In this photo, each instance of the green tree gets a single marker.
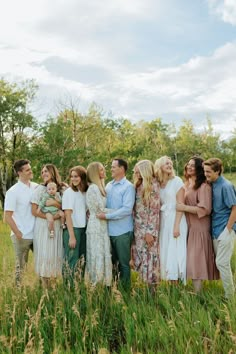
(187, 143)
(16, 125)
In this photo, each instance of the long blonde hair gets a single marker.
(146, 170)
(158, 169)
(93, 176)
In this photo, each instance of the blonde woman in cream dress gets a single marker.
(173, 225)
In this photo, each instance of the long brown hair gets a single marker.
(82, 173)
(55, 176)
(199, 171)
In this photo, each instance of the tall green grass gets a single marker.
(96, 320)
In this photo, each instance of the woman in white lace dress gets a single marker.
(173, 225)
(98, 262)
(48, 251)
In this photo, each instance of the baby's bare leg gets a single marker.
(62, 215)
(50, 220)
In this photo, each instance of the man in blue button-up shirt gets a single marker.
(120, 198)
(223, 220)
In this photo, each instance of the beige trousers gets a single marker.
(21, 248)
(224, 247)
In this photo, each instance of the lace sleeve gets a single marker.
(94, 199)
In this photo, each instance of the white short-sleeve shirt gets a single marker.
(75, 201)
(18, 200)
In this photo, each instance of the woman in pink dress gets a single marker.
(197, 206)
(145, 250)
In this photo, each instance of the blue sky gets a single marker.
(139, 59)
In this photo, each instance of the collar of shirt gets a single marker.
(121, 181)
(24, 184)
(219, 180)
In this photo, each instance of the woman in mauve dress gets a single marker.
(197, 206)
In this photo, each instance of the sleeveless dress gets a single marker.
(48, 252)
(173, 254)
(98, 259)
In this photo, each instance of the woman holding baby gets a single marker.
(48, 250)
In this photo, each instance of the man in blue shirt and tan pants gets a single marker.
(120, 198)
(223, 221)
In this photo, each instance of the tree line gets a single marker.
(71, 137)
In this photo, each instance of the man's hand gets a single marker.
(101, 216)
(18, 235)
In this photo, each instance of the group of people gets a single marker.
(160, 226)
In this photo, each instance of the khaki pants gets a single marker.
(224, 247)
(21, 248)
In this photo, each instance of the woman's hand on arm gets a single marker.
(149, 240)
(187, 208)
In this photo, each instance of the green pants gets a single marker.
(121, 253)
(74, 258)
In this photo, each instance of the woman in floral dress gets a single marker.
(145, 252)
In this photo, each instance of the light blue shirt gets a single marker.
(121, 197)
(224, 198)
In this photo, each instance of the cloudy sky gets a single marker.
(140, 59)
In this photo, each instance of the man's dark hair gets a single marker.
(19, 164)
(122, 163)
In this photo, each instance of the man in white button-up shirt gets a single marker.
(18, 214)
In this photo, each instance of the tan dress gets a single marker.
(200, 254)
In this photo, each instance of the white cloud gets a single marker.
(226, 9)
(80, 33)
(202, 86)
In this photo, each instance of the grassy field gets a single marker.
(231, 177)
(94, 320)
